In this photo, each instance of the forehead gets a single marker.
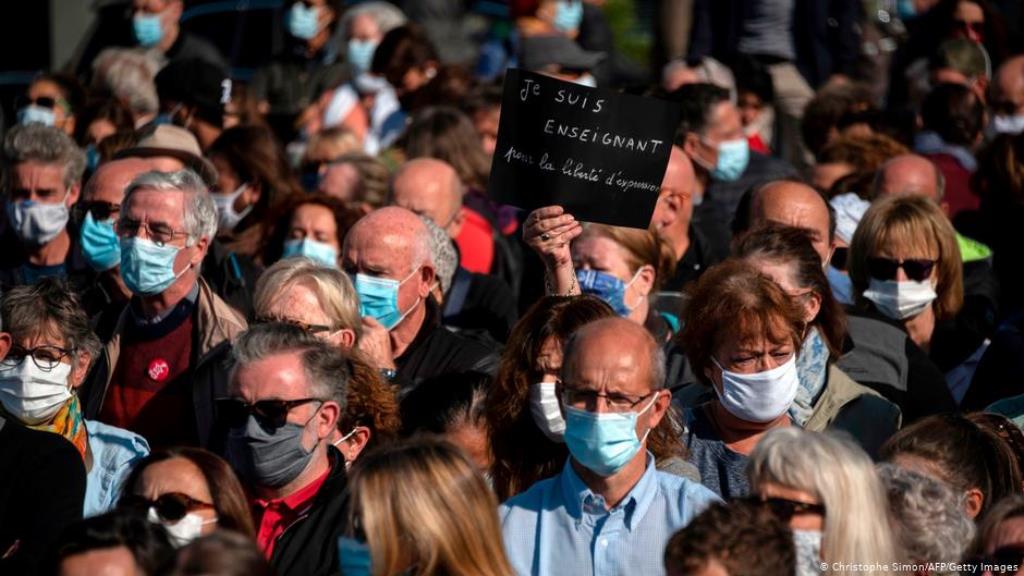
(798, 210)
(46, 334)
(113, 179)
(163, 205)
(38, 175)
(751, 332)
(608, 359)
(173, 475)
(280, 376)
(599, 247)
(377, 246)
(44, 88)
(315, 216)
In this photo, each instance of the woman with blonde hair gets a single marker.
(829, 491)
(419, 507)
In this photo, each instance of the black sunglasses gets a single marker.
(272, 413)
(41, 101)
(308, 328)
(101, 211)
(977, 26)
(839, 258)
(784, 509)
(170, 507)
(917, 269)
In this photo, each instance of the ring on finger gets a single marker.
(545, 236)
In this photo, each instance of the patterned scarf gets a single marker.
(812, 369)
(69, 423)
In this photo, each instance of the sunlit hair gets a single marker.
(642, 248)
(371, 402)
(841, 477)
(424, 510)
(332, 287)
(735, 299)
(1008, 508)
(917, 226)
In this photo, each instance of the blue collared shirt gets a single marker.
(559, 526)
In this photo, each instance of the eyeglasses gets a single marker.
(917, 269)
(170, 507)
(45, 357)
(272, 413)
(101, 211)
(582, 399)
(784, 509)
(308, 328)
(839, 258)
(977, 26)
(159, 233)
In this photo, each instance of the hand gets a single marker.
(375, 344)
(549, 231)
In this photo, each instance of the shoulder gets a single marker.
(106, 438)
(532, 499)
(41, 454)
(691, 497)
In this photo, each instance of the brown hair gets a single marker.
(424, 509)
(1006, 509)
(331, 143)
(745, 537)
(370, 402)
(374, 179)
(863, 153)
(228, 497)
(400, 50)
(735, 297)
(792, 247)
(643, 247)
(966, 454)
(273, 245)
(999, 178)
(911, 222)
(224, 553)
(445, 133)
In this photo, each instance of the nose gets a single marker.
(901, 275)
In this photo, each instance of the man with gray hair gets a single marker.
(610, 510)
(287, 392)
(42, 180)
(388, 254)
(164, 365)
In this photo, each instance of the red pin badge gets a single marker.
(158, 370)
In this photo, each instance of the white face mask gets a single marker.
(545, 411)
(183, 531)
(348, 463)
(227, 217)
(760, 397)
(842, 286)
(900, 300)
(32, 395)
(1007, 124)
(808, 552)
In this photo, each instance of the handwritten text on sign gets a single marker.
(599, 154)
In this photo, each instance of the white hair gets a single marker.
(386, 15)
(46, 145)
(842, 477)
(129, 75)
(200, 218)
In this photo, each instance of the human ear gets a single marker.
(80, 368)
(974, 501)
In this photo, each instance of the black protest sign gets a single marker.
(599, 154)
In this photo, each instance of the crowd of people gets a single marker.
(272, 323)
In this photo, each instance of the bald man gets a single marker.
(910, 174)
(672, 219)
(431, 188)
(798, 205)
(1007, 99)
(388, 255)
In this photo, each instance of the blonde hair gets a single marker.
(642, 248)
(332, 288)
(843, 479)
(423, 506)
(332, 143)
(917, 223)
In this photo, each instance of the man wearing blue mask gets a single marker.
(43, 168)
(164, 365)
(156, 25)
(388, 255)
(711, 134)
(609, 511)
(287, 392)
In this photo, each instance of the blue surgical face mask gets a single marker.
(92, 158)
(906, 9)
(733, 157)
(302, 21)
(33, 114)
(354, 557)
(148, 28)
(378, 298)
(147, 268)
(607, 288)
(842, 286)
(323, 254)
(568, 15)
(603, 442)
(36, 223)
(360, 54)
(99, 244)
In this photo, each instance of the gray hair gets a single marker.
(328, 371)
(446, 259)
(332, 287)
(386, 15)
(47, 308)
(932, 523)
(46, 145)
(422, 246)
(128, 74)
(200, 211)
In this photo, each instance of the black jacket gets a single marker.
(309, 546)
(697, 258)
(437, 350)
(1001, 371)
(480, 302)
(232, 276)
(42, 490)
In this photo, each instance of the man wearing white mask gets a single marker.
(40, 376)
(43, 169)
(165, 363)
(1007, 100)
(609, 511)
(388, 255)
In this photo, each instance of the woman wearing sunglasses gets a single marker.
(826, 488)
(190, 491)
(905, 266)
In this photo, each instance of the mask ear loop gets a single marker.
(626, 287)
